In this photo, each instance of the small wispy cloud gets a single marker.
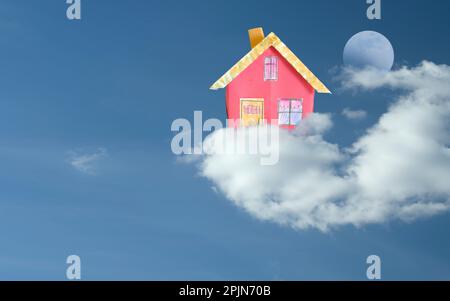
(86, 161)
(354, 114)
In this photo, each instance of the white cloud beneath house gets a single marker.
(400, 169)
(86, 161)
(354, 114)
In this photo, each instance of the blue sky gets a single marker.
(117, 79)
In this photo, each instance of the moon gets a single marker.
(369, 49)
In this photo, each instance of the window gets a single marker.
(290, 111)
(271, 68)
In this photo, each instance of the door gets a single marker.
(252, 111)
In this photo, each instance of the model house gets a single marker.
(269, 83)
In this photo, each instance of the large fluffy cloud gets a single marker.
(400, 169)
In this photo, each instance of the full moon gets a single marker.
(369, 49)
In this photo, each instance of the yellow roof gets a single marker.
(249, 58)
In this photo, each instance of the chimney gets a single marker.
(256, 35)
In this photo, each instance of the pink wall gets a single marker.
(250, 84)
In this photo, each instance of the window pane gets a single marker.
(295, 118)
(283, 118)
(296, 106)
(274, 73)
(283, 106)
(266, 72)
(267, 68)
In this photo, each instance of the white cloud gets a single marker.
(86, 161)
(399, 170)
(354, 114)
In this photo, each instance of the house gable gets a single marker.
(270, 41)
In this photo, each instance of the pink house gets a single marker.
(269, 83)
